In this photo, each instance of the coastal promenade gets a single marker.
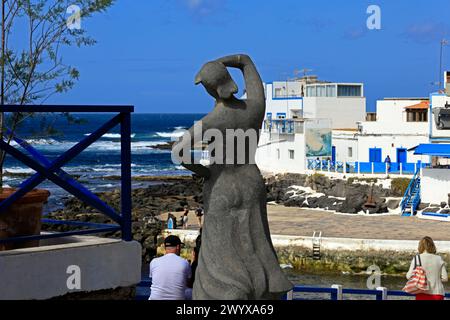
(303, 222)
(293, 221)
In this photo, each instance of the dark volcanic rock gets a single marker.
(294, 202)
(148, 204)
(431, 209)
(423, 206)
(164, 146)
(355, 198)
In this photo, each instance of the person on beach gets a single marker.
(170, 273)
(185, 217)
(435, 270)
(199, 215)
(171, 221)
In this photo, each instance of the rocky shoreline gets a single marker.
(149, 203)
(347, 196)
(171, 194)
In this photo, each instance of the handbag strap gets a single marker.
(417, 257)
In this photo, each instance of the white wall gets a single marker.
(389, 145)
(435, 185)
(361, 144)
(390, 132)
(267, 155)
(282, 105)
(280, 241)
(391, 119)
(41, 272)
(342, 141)
(345, 112)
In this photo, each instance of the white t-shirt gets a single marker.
(170, 274)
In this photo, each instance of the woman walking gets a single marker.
(434, 267)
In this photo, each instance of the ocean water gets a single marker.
(102, 159)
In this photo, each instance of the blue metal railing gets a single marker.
(364, 167)
(52, 170)
(335, 292)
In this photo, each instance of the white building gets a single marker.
(400, 124)
(324, 126)
(299, 118)
(343, 102)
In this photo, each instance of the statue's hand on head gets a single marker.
(218, 82)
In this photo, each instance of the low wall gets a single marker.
(435, 185)
(339, 254)
(74, 265)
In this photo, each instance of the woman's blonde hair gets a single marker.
(427, 244)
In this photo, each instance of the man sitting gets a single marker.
(170, 273)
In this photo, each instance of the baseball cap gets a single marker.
(172, 241)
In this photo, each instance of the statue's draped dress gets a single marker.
(237, 259)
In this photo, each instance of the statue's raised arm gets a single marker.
(253, 82)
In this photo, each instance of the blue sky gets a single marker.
(149, 51)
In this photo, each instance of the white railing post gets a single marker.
(383, 292)
(401, 168)
(359, 167)
(338, 288)
(386, 168)
(373, 166)
(415, 167)
(345, 167)
(290, 295)
(329, 165)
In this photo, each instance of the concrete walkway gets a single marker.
(303, 222)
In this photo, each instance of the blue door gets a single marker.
(333, 154)
(375, 155)
(401, 155)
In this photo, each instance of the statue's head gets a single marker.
(216, 79)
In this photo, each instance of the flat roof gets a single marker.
(407, 98)
(337, 83)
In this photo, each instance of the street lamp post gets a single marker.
(443, 43)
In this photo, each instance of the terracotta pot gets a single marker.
(22, 218)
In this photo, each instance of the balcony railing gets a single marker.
(52, 171)
(284, 126)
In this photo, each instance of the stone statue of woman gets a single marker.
(237, 260)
